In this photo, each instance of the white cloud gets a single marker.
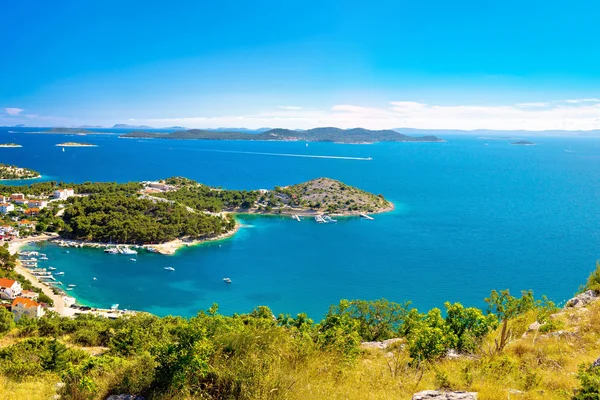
(577, 101)
(13, 111)
(552, 116)
(533, 104)
(289, 107)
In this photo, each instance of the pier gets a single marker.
(365, 216)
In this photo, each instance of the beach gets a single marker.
(62, 302)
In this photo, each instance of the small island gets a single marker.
(75, 144)
(11, 172)
(10, 145)
(523, 143)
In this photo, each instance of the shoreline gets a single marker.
(61, 305)
(20, 179)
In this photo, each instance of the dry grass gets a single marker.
(39, 388)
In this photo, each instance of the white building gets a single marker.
(63, 194)
(9, 289)
(4, 199)
(24, 306)
(6, 208)
(37, 204)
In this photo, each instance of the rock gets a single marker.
(380, 345)
(515, 391)
(437, 395)
(581, 299)
(124, 397)
(596, 363)
(558, 334)
(535, 326)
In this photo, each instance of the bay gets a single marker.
(469, 218)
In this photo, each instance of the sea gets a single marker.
(472, 215)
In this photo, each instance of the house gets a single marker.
(37, 204)
(25, 223)
(8, 232)
(5, 208)
(9, 289)
(17, 196)
(24, 306)
(29, 294)
(63, 194)
(4, 199)
(32, 211)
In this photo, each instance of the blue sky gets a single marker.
(378, 64)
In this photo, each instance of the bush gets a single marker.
(589, 382)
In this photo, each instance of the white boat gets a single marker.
(170, 268)
(111, 250)
(59, 273)
(128, 251)
(152, 249)
(63, 149)
(328, 219)
(71, 285)
(95, 278)
(43, 258)
(69, 288)
(132, 259)
(52, 268)
(226, 280)
(319, 219)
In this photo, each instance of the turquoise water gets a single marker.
(469, 218)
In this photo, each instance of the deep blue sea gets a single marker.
(469, 218)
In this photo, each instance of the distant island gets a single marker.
(11, 172)
(337, 135)
(75, 144)
(10, 145)
(125, 126)
(523, 143)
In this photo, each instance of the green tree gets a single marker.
(589, 382)
(6, 321)
(507, 307)
(469, 325)
(54, 360)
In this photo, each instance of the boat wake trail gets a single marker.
(291, 155)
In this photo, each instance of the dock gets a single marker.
(297, 218)
(365, 216)
(319, 219)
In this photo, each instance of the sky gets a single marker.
(471, 64)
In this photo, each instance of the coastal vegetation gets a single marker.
(356, 135)
(119, 218)
(333, 196)
(137, 213)
(360, 349)
(14, 172)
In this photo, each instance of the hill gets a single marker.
(356, 135)
(335, 197)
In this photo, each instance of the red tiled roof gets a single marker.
(5, 282)
(25, 302)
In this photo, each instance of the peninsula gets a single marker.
(11, 172)
(337, 135)
(10, 145)
(175, 212)
(75, 144)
